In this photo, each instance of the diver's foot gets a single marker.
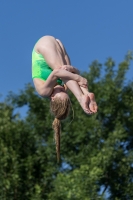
(85, 102)
(92, 103)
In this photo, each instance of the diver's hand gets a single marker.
(70, 69)
(82, 82)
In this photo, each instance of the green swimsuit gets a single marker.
(40, 68)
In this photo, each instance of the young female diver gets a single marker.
(50, 68)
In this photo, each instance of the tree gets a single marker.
(96, 151)
(26, 159)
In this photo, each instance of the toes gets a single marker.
(88, 112)
(93, 108)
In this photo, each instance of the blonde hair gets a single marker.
(60, 108)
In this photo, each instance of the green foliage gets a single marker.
(96, 151)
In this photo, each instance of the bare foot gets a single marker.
(84, 102)
(92, 103)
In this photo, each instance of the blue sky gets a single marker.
(89, 29)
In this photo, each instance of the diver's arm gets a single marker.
(69, 68)
(62, 74)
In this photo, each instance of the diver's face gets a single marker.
(59, 92)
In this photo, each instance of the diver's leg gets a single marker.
(92, 103)
(49, 48)
(85, 99)
(82, 99)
